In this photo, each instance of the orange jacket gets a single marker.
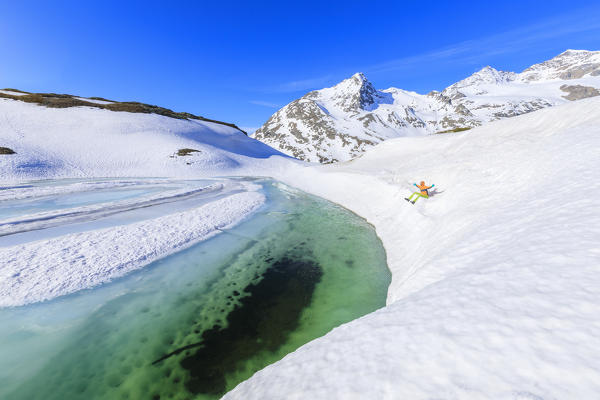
(423, 188)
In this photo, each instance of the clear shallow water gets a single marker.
(195, 324)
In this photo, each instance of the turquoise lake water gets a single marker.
(195, 324)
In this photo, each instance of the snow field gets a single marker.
(495, 279)
(90, 142)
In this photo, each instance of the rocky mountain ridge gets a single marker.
(341, 122)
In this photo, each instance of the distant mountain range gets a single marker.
(341, 122)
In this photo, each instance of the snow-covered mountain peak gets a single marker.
(355, 83)
(570, 64)
(485, 76)
(487, 73)
(352, 94)
(358, 78)
(574, 52)
(574, 56)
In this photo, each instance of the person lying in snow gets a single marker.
(424, 193)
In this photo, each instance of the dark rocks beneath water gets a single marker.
(261, 322)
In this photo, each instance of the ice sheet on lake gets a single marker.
(46, 269)
(47, 219)
(30, 191)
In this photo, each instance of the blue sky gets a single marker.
(240, 61)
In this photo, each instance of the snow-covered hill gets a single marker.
(495, 278)
(340, 123)
(86, 141)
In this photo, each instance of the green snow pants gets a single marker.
(417, 195)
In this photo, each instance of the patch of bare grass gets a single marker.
(54, 100)
(454, 130)
(6, 150)
(187, 152)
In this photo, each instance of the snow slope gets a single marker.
(496, 278)
(341, 122)
(92, 142)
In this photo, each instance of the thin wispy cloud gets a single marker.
(264, 103)
(301, 85)
(476, 51)
(480, 51)
(583, 21)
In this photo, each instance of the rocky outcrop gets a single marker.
(576, 92)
